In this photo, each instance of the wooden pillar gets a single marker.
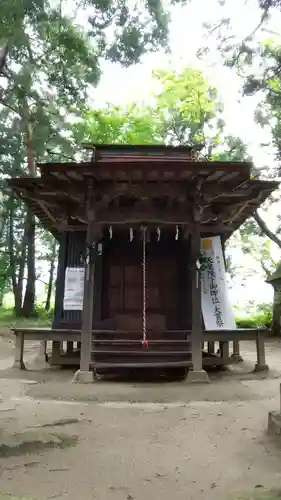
(224, 352)
(56, 350)
(197, 374)
(236, 357)
(261, 362)
(19, 347)
(85, 374)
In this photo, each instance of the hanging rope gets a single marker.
(144, 337)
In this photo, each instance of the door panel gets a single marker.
(123, 294)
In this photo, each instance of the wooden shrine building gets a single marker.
(129, 222)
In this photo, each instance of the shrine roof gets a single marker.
(155, 184)
(123, 151)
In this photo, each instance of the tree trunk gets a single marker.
(2, 296)
(51, 278)
(28, 308)
(17, 290)
(3, 56)
(276, 313)
(22, 262)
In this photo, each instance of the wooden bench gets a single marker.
(43, 335)
(57, 336)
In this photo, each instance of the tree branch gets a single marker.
(6, 105)
(265, 268)
(265, 229)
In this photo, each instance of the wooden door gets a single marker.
(123, 284)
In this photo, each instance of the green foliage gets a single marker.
(116, 125)
(112, 29)
(50, 55)
(188, 107)
(184, 110)
(232, 149)
(4, 271)
(268, 112)
(259, 319)
(52, 60)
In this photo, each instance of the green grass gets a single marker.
(9, 320)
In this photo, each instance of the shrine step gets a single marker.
(137, 335)
(136, 356)
(163, 364)
(141, 352)
(115, 341)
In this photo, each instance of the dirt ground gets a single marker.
(135, 441)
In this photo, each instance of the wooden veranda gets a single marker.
(135, 216)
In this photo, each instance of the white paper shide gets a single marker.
(216, 306)
(73, 289)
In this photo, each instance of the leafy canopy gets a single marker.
(185, 109)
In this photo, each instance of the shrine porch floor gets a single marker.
(215, 434)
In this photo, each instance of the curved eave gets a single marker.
(50, 197)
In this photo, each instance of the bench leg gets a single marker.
(211, 347)
(19, 347)
(69, 347)
(41, 358)
(224, 352)
(56, 348)
(261, 362)
(235, 357)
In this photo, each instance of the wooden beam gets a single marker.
(111, 189)
(205, 229)
(55, 198)
(217, 228)
(47, 211)
(238, 211)
(243, 169)
(143, 190)
(149, 215)
(120, 216)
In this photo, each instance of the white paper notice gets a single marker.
(216, 306)
(73, 289)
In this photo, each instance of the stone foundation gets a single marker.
(83, 377)
(197, 377)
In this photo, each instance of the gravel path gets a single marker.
(138, 441)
